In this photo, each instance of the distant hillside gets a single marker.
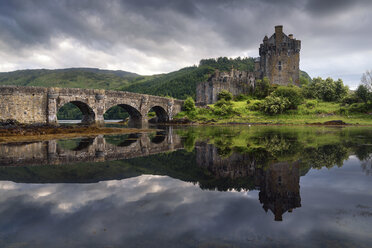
(305, 75)
(182, 83)
(178, 84)
(68, 78)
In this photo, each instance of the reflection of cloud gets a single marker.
(7, 185)
(159, 211)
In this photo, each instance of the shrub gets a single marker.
(343, 111)
(241, 97)
(225, 95)
(189, 104)
(311, 104)
(275, 105)
(202, 111)
(292, 93)
(255, 106)
(359, 107)
(349, 99)
(222, 102)
(248, 101)
(223, 108)
(262, 88)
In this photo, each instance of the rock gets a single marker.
(183, 120)
(334, 122)
(9, 122)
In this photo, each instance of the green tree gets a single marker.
(291, 93)
(326, 90)
(273, 105)
(189, 104)
(362, 93)
(225, 95)
(262, 88)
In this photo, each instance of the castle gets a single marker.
(279, 61)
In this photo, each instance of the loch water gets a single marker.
(225, 186)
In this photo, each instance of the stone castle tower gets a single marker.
(279, 61)
(279, 58)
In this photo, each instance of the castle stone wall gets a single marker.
(279, 58)
(236, 82)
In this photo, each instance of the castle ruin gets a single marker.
(279, 61)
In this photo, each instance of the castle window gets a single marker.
(280, 65)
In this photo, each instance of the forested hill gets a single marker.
(178, 84)
(182, 83)
(68, 78)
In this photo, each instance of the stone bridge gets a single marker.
(97, 149)
(40, 105)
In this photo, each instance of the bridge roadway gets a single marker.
(40, 105)
(98, 149)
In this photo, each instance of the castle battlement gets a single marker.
(279, 58)
(279, 61)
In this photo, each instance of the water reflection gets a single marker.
(191, 187)
(95, 149)
(270, 160)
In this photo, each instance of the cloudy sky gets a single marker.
(156, 36)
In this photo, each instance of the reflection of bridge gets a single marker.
(40, 105)
(97, 149)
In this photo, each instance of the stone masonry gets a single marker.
(236, 82)
(279, 58)
(279, 61)
(40, 105)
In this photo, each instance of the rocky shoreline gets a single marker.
(186, 121)
(13, 131)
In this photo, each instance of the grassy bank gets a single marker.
(308, 112)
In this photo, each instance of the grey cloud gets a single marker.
(320, 7)
(182, 31)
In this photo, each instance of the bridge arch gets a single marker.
(161, 113)
(123, 140)
(135, 117)
(88, 115)
(159, 138)
(76, 145)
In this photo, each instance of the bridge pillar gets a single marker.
(52, 108)
(52, 155)
(142, 122)
(100, 110)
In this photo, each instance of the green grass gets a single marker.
(321, 112)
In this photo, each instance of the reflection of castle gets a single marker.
(278, 182)
(280, 188)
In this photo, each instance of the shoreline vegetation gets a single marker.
(11, 131)
(322, 114)
(316, 102)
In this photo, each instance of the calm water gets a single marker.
(191, 187)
